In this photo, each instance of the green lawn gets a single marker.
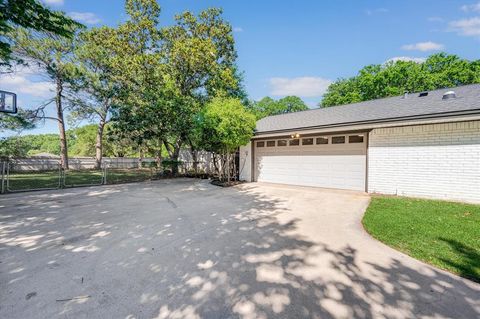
(444, 234)
(50, 179)
(28, 180)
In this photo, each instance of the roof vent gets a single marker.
(422, 94)
(449, 95)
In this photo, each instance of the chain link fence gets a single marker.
(21, 175)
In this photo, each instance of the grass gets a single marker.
(50, 179)
(444, 234)
(28, 180)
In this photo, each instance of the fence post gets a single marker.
(104, 174)
(3, 177)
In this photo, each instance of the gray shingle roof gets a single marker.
(467, 100)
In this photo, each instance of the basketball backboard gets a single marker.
(8, 102)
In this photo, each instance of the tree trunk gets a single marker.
(215, 164)
(99, 145)
(228, 167)
(61, 125)
(158, 157)
(174, 157)
(140, 158)
(168, 148)
(194, 158)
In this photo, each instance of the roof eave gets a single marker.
(375, 123)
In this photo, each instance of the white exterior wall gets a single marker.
(434, 161)
(245, 168)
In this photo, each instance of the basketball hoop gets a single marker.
(8, 102)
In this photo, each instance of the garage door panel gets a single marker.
(336, 166)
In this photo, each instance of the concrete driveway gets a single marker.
(186, 249)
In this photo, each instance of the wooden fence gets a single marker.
(204, 162)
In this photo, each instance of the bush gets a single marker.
(149, 165)
(169, 164)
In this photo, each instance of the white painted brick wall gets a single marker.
(245, 162)
(433, 161)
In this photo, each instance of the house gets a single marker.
(423, 145)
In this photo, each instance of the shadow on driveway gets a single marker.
(187, 249)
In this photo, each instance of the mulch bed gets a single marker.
(226, 184)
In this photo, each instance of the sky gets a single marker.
(297, 47)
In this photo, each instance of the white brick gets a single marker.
(435, 161)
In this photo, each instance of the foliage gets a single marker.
(200, 59)
(12, 147)
(95, 90)
(20, 146)
(226, 125)
(394, 78)
(51, 55)
(441, 233)
(94, 85)
(152, 83)
(15, 122)
(82, 141)
(268, 106)
(143, 111)
(169, 164)
(30, 14)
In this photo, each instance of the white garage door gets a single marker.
(337, 161)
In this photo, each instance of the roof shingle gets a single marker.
(468, 99)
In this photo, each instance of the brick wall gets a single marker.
(433, 161)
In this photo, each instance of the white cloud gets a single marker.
(471, 7)
(237, 29)
(405, 58)
(301, 86)
(423, 46)
(469, 27)
(21, 82)
(54, 2)
(85, 17)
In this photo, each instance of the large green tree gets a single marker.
(52, 56)
(268, 106)
(200, 63)
(394, 78)
(95, 89)
(143, 113)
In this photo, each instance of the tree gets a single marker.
(52, 55)
(226, 125)
(268, 106)
(32, 15)
(144, 110)
(95, 90)
(13, 147)
(82, 140)
(200, 57)
(394, 78)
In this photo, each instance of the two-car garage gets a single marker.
(422, 145)
(331, 161)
